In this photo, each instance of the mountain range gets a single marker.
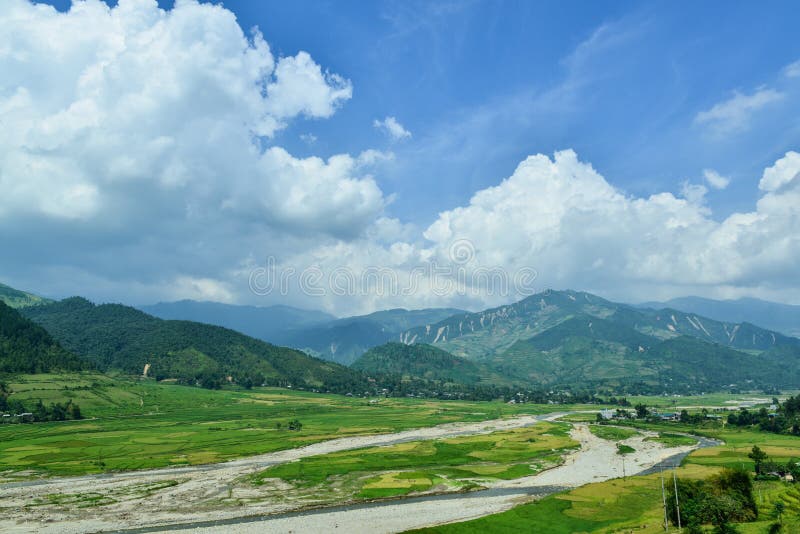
(569, 337)
(783, 318)
(113, 337)
(316, 333)
(555, 339)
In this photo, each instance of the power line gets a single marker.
(664, 498)
(677, 504)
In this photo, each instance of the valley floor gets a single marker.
(191, 497)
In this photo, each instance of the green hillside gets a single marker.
(116, 337)
(680, 364)
(20, 299)
(575, 339)
(424, 362)
(26, 347)
(494, 331)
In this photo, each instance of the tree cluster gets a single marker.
(719, 500)
(785, 419)
(39, 412)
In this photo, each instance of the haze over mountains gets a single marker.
(552, 339)
(318, 333)
(784, 318)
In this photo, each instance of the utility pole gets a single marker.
(664, 498)
(677, 504)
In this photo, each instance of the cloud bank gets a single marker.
(139, 161)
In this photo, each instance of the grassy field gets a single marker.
(141, 424)
(613, 433)
(671, 439)
(423, 465)
(611, 506)
(634, 504)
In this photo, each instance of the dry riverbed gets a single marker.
(193, 495)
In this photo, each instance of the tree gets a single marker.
(758, 456)
(779, 509)
(641, 411)
(295, 424)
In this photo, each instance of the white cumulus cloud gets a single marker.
(784, 173)
(715, 179)
(108, 108)
(392, 127)
(564, 221)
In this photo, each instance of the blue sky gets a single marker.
(468, 80)
(650, 95)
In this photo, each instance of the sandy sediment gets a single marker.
(198, 494)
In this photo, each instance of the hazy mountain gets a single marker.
(20, 299)
(315, 332)
(267, 323)
(117, 337)
(26, 347)
(784, 318)
(344, 340)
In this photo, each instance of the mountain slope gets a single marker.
(495, 330)
(315, 332)
(265, 323)
(570, 338)
(424, 362)
(344, 340)
(783, 318)
(20, 299)
(680, 364)
(26, 347)
(123, 338)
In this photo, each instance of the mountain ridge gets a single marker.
(118, 337)
(784, 318)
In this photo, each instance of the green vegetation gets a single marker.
(635, 504)
(142, 424)
(116, 337)
(26, 347)
(713, 481)
(16, 411)
(582, 342)
(20, 299)
(721, 499)
(420, 466)
(613, 433)
(614, 506)
(786, 420)
(425, 362)
(671, 439)
(624, 449)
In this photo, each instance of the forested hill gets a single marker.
(117, 337)
(26, 347)
(425, 362)
(20, 299)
